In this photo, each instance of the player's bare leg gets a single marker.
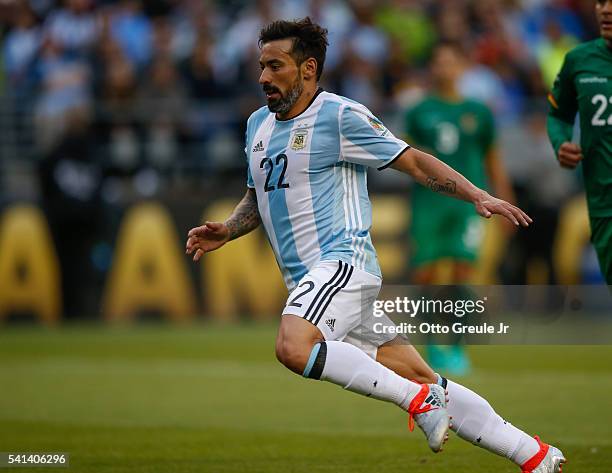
(473, 418)
(406, 361)
(301, 348)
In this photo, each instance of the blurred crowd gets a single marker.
(161, 80)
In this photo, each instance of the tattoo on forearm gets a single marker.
(245, 217)
(449, 187)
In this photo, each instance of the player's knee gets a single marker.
(293, 355)
(294, 342)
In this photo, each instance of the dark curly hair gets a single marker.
(309, 39)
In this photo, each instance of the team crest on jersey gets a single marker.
(299, 139)
(469, 123)
(378, 126)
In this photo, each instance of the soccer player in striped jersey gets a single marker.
(308, 152)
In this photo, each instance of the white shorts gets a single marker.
(339, 299)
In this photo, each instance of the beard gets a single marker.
(283, 104)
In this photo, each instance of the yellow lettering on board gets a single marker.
(241, 277)
(29, 270)
(573, 234)
(390, 216)
(149, 268)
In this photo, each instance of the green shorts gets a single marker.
(442, 235)
(601, 237)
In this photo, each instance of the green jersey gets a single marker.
(458, 133)
(584, 85)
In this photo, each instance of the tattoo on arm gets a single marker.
(449, 187)
(245, 217)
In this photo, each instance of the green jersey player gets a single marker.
(446, 233)
(584, 85)
(460, 132)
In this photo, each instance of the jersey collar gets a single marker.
(604, 46)
(314, 97)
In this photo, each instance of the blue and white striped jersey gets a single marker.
(309, 174)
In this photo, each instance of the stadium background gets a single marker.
(106, 105)
(122, 125)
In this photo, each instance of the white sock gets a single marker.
(475, 420)
(347, 366)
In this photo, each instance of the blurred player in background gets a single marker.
(308, 153)
(584, 85)
(446, 234)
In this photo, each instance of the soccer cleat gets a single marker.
(548, 460)
(428, 409)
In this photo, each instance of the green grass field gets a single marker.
(214, 399)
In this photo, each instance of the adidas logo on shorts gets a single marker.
(330, 323)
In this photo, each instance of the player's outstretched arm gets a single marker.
(212, 235)
(439, 177)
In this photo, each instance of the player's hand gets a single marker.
(487, 205)
(569, 155)
(208, 237)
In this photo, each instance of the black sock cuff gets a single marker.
(316, 362)
(443, 382)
